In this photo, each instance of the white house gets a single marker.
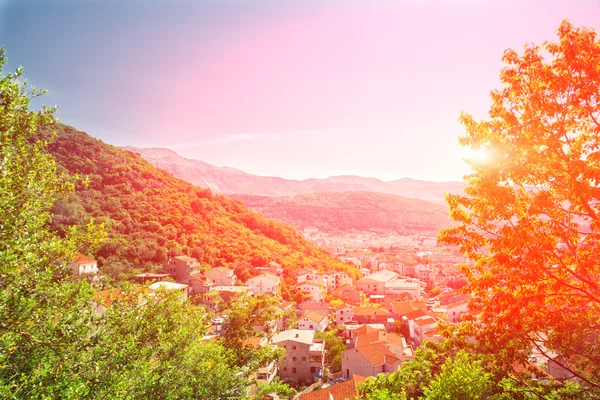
(184, 289)
(336, 280)
(404, 285)
(308, 275)
(84, 265)
(221, 276)
(343, 314)
(455, 310)
(264, 283)
(312, 288)
(312, 321)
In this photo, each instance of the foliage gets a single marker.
(530, 216)
(151, 216)
(460, 378)
(334, 345)
(54, 341)
(283, 390)
(352, 211)
(243, 315)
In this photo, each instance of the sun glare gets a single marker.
(476, 155)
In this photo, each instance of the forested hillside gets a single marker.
(348, 211)
(152, 215)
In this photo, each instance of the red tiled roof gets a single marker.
(425, 321)
(377, 354)
(106, 297)
(314, 316)
(340, 391)
(81, 259)
(369, 311)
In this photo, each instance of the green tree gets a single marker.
(462, 377)
(334, 345)
(530, 217)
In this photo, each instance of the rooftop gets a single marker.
(167, 286)
(295, 335)
(82, 259)
(383, 275)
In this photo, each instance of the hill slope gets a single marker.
(348, 211)
(231, 180)
(153, 215)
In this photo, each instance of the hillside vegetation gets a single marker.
(347, 211)
(152, 215)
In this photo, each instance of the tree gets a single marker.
(530, 217)
(334, 345)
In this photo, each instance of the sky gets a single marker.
(286, 88)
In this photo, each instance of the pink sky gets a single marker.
(311, 89)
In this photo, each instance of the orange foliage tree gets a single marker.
(530, 217)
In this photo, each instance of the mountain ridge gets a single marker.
(229, 180)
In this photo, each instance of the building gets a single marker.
(180, 287)
(348, 294)
(199, 284)
(312, 321)
(308, 306)
(308, 275)
(404, 285)
(304, 355)
(344, 313)
(369, 360)
(455, 310)
(221, 276)
(181, 267)
(339, 391)
(83, 265)
(336, 280)
(375, 282)
(371, 315)
(312, 288)
(264, 283)
(272, 267)
(149, 278)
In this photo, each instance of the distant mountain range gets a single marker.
(352, 211)
(233, 181)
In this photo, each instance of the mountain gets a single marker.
(348, 211)
(231, 180)
(151, 215)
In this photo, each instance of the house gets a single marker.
(312, 288)
(371, 315)
(272, 267)
(393, 342)
(199, 284)
(344, 313)
(181, 267)
(312, 321)
(308, 275)
(336, 280)
(339, 391)
(221, 276)
(304, 355)
(264, 283)
(267, 372)
(375, 282)
(149, 278)
(83, 265)
(348, 294)
(369, 360)
(161, 285)
(419, 327)
(455, 310)
(223, 295)
(308, 306)
(285, 311)
(104, 299)
(408, 286)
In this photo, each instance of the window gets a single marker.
(293, 370)
(293, 347)
(313, 370)
(303, 358)
(342, 318)
(342, 312)
(285, 368)
(311, 327)
(294, 359)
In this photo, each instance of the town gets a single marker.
(380, 318)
